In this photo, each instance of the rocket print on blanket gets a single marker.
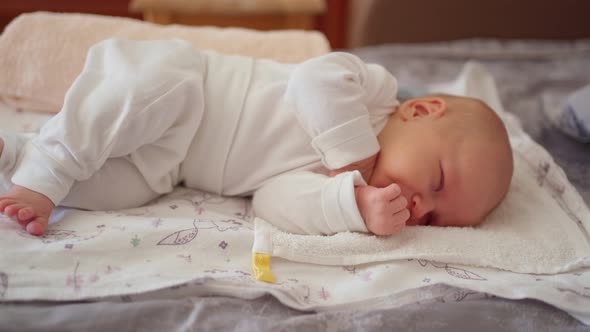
(185, 236)
(452, 271)
(58, 235)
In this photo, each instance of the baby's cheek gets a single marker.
(378, 180)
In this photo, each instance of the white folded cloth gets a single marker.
(42, 53)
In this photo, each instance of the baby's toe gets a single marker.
(4, 203)
(37, 226)
(12, 210)
(25, 214)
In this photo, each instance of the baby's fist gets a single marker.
(384, 210)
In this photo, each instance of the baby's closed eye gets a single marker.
(441, 179)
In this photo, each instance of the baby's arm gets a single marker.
(338, 99)
(311, 203)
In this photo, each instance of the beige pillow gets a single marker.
(42, 53)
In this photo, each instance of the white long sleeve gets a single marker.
(339, 99)
(342, 103)
(311, 203)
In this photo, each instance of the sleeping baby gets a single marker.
(323, 146)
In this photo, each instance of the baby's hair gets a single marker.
(472, 119)
(472, 116)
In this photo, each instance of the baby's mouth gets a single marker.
(412, 221)
(416, 222)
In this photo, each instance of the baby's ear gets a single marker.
(421, 108)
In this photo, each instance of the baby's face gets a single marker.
(446, 183)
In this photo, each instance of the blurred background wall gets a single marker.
(384, 21)
(350, 23)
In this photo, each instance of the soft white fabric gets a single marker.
(220, 123)
(332, 88)
(194, 243)
(334, 196)
(90, 194)
(541, 227)
(139, 100)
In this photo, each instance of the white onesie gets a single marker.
(231, 125)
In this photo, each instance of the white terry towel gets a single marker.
(42, 53)
(541, 227)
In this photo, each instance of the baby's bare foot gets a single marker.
(31, 209)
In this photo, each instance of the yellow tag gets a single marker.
(261, 268)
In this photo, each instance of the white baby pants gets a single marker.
(125, 127)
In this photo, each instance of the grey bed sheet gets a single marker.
(533, 79)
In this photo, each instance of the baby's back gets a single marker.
(248, 133)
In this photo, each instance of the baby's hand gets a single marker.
(384, 210)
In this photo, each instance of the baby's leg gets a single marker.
(30, 208)
(116, 185)
(136, 100)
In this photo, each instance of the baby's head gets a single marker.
(450, 156)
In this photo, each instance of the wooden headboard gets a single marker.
(386, 21)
